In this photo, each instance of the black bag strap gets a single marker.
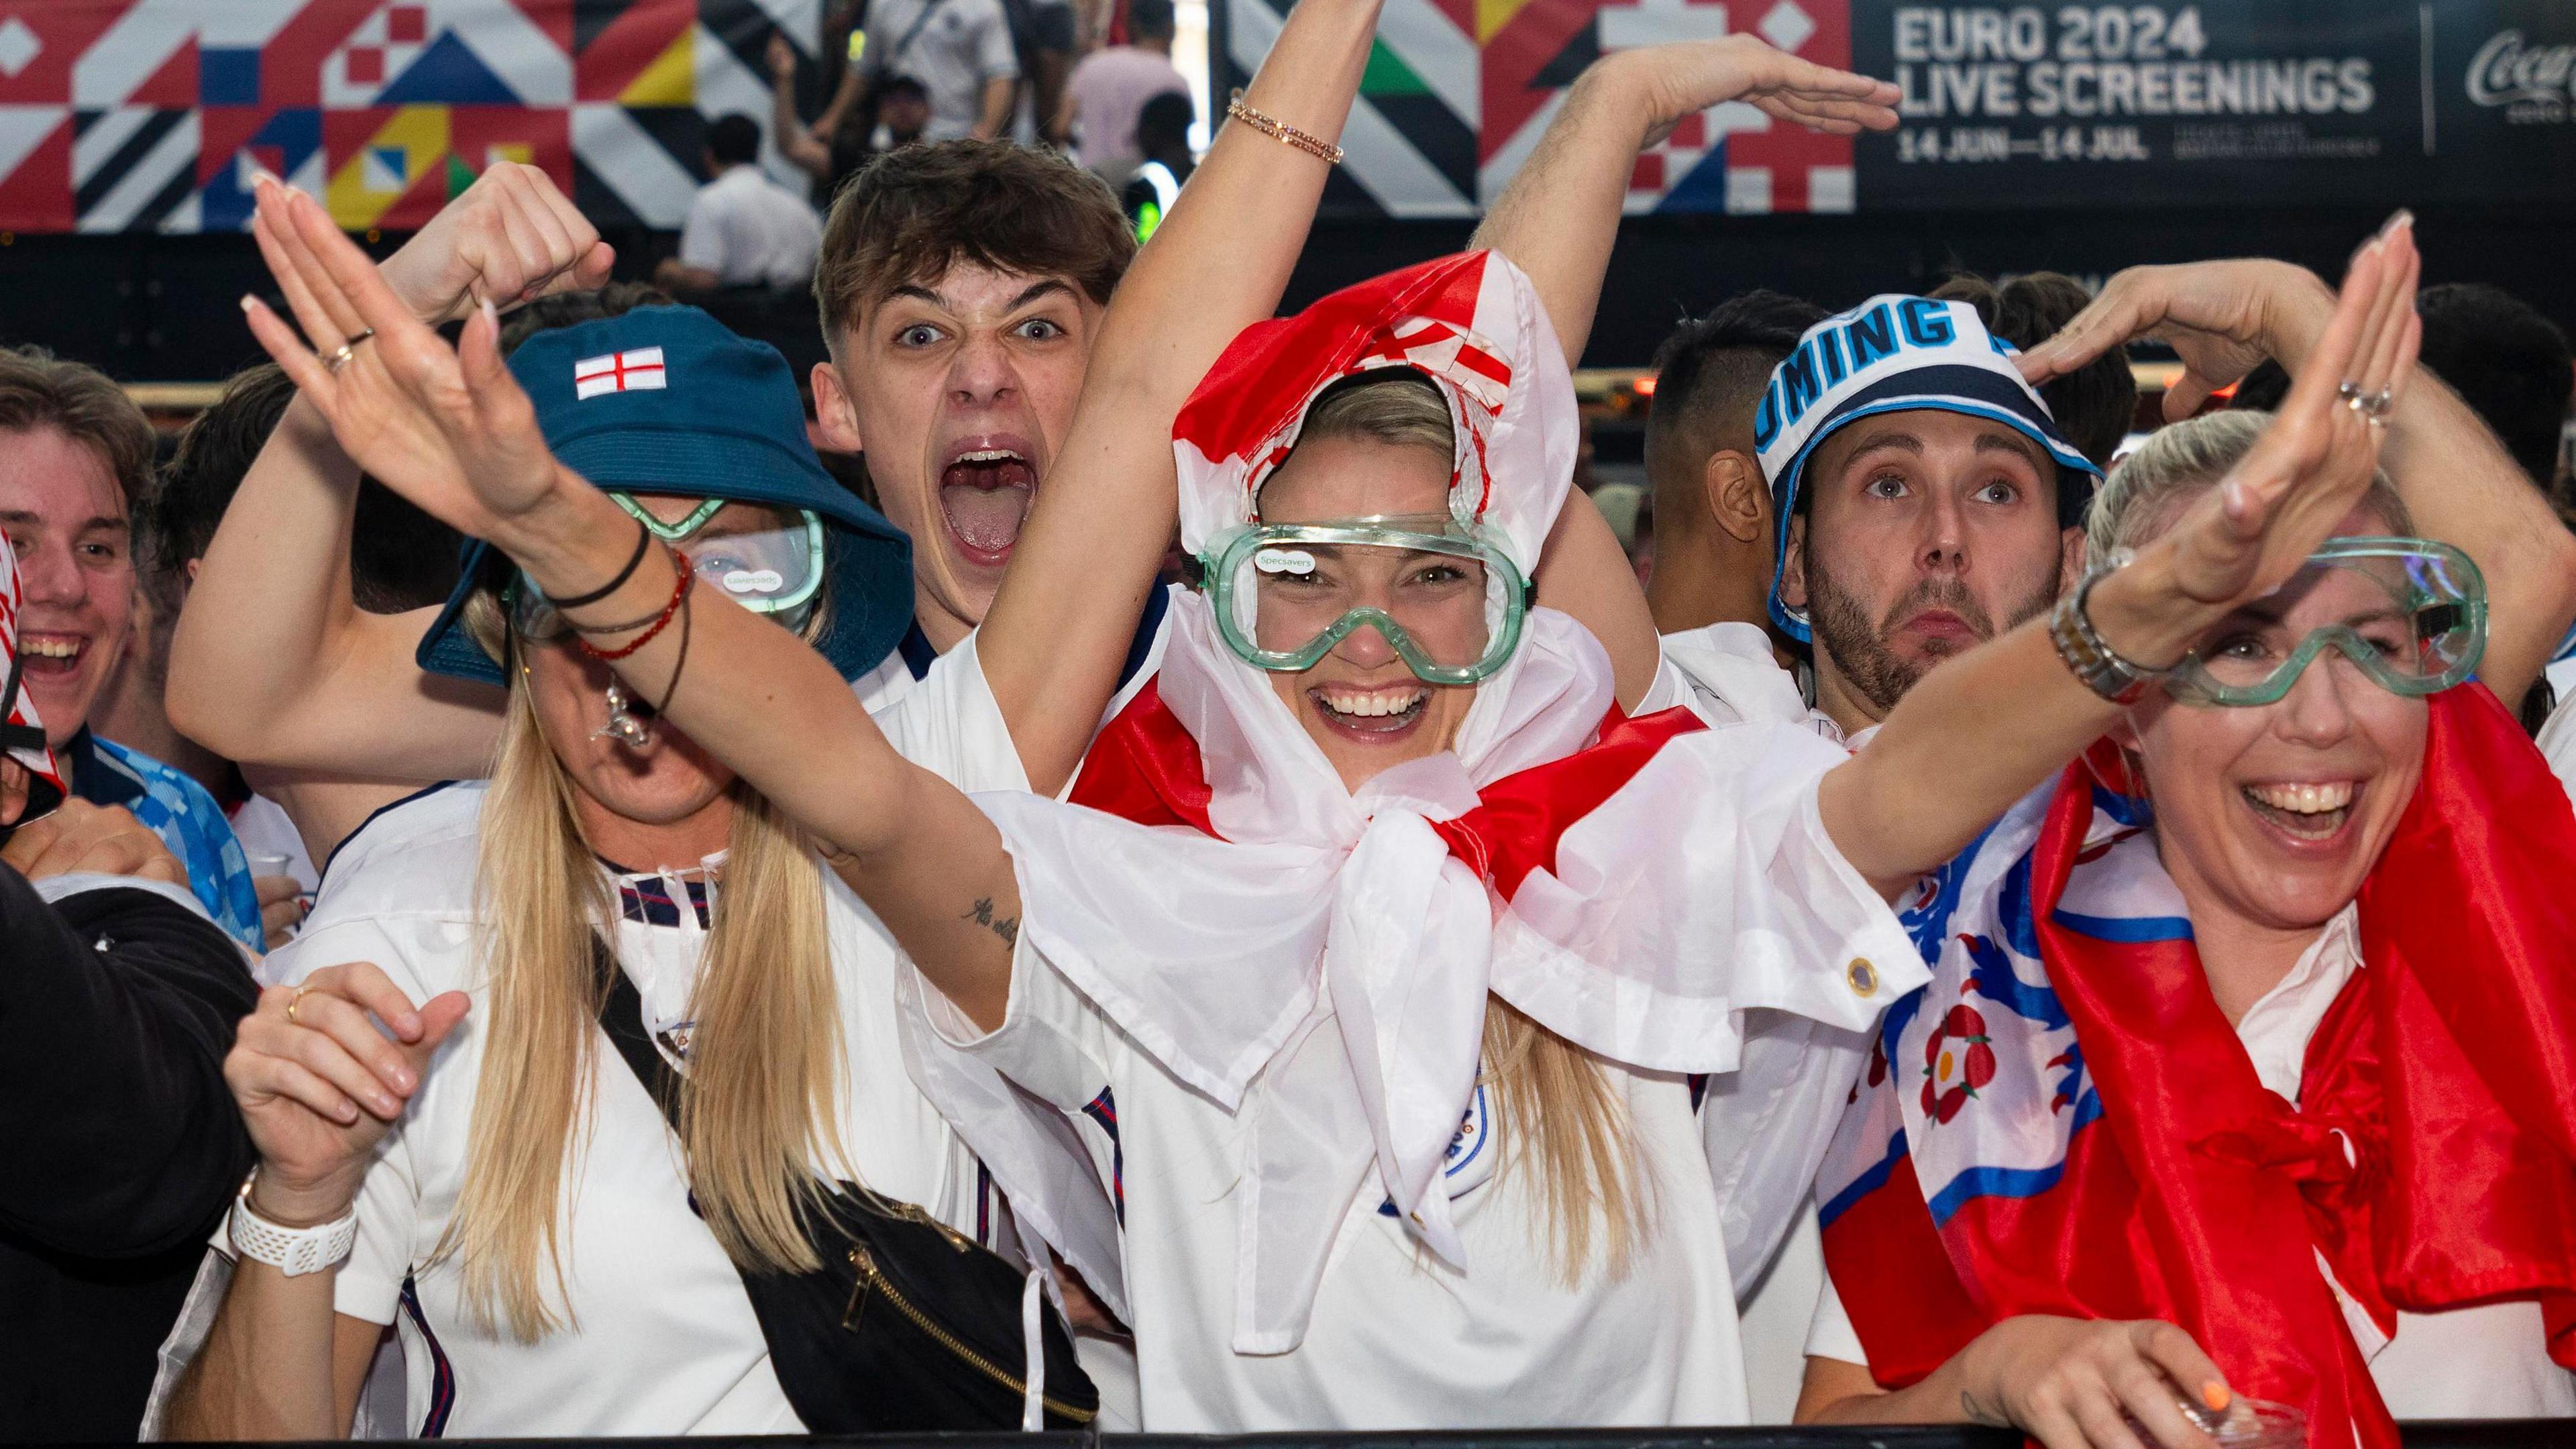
(903, 47)
(621, 1015)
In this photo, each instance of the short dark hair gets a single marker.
(733, 139)
(1149, 19)
(564, 309)
(903, 85)
(40, 390)
(2096, 404)
(2510, 364)
(1167, 117)
(1709, 377)
(916, 211)
(399, 557)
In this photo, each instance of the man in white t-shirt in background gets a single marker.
(1109, 90)
(960, 51)
(744, 230)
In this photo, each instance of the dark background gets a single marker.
(165, 308)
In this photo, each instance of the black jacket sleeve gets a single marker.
(117, 1006)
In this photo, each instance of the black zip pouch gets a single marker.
(909, 1326)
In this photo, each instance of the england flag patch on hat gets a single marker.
(636, 370)
(1895, 353)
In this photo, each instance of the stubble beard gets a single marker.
(1858, 646)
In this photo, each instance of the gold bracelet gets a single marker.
(1280, 131)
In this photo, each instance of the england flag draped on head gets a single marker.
(22, 735)
(1317, 960)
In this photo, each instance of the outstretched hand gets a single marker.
(448, 428)
(2222, 318)
(1685, 78)
(2315, 460)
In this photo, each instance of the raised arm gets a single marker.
(1060, 628)
(807, 150)
(2225, 317)
(1983, 730)
(1560, 215)
(272, 663)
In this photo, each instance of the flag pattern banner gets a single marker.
(1458, 92)
(635, 370)
(155, 115)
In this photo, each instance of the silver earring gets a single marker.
(623, 727)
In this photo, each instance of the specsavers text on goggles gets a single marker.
(2408, 612)
(768, 562)
(1444, 596)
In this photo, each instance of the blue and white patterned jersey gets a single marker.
(187, 819)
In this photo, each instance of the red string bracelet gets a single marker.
(679, 591)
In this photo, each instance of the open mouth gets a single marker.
(52, 656)
(2308, 811)
(984, 493)
(1374, 714)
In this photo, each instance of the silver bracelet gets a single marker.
(291, 1251)
(2087, 655)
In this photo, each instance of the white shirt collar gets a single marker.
(2276, 1028)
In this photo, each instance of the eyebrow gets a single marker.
(1033, 292)
(23, 517)
(1903, 442)
(2008, 443)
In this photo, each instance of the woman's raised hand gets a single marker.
(318, 1083)
(1687, 77)
(2316, 459)
(448, 428)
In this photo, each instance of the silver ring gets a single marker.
(2348, 390)
(347, 350)
(2379, 404)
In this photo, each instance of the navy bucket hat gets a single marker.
(1895, 353)
(668, 400)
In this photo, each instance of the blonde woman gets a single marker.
(515, 1193)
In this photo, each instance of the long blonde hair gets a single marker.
(1554, 1109)
(758, 1107)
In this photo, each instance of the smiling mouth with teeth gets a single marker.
(2310, 811)
(54, 654)
(1386, 710)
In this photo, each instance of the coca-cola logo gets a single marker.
(2507, 71)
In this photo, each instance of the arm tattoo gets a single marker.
(1006, 927)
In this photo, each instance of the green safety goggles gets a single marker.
(1444, 596)
(2408, 612)
(767, 561)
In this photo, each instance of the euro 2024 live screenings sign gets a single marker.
(152, 115)
(2131, 105)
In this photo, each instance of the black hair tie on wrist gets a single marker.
(643, 541)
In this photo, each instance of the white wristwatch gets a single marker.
(291, 1251)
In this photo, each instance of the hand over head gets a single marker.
(318, 1083)
(448, 428)
(1688, 77)
(79, 836)
(509, 238)
(2222, 318)
(2315, 460)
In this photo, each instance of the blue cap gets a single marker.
(668, 400)
(1895, 353)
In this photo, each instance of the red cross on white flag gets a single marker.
(631, 371)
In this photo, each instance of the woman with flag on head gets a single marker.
(1379, 950)
(2247, 1064)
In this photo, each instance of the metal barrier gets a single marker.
(2464, 1434)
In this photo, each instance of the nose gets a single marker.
(981, 376)
(1943, 547)
(47, 574)
(2316, 712)
(1365, 647)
